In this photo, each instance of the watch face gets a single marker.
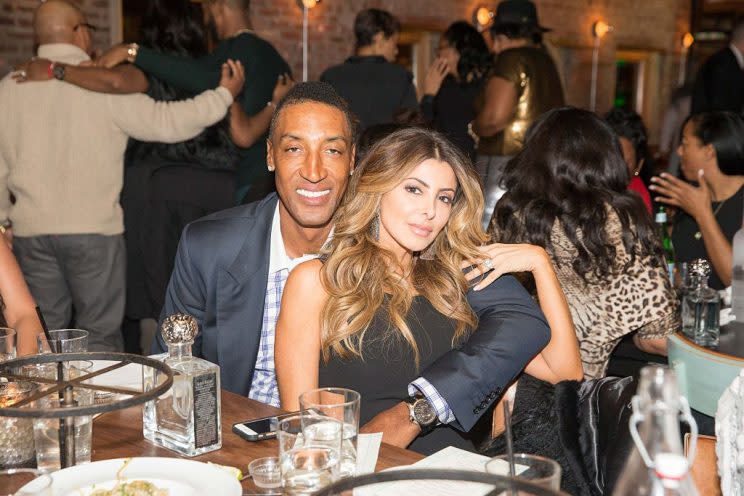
(423, 412)
(59, 72)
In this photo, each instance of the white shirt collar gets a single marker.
(278, 258)
(739, 56)
(62, 52)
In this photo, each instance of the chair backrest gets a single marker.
(704, 468)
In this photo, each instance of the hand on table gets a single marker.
(695, 200)
(395, 425)
(233, 76)
(503, 259)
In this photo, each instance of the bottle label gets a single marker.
(206, 421)
(661, 217)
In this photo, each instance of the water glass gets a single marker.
(7, 344)
(46, 430)
(25, 482)
(64, 341)
(308, 454)
(535, 469)
(16, 434)
(342, 405)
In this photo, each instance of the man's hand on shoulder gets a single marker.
(233, 76)
(395, 425)
(117, 54)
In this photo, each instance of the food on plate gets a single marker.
(133, 488)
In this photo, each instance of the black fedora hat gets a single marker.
(516, 13)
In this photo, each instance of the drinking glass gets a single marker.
(538, 470)
(7, 344)
(16, 434)
(308, 453)
(25, 482)
(341, 405)
(46, 430)
(64, 341)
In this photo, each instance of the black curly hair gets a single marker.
(475, 57)
(570, 168)
(172, 27)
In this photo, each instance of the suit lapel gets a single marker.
(241, 292)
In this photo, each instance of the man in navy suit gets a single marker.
(230, 265)
(719, 85)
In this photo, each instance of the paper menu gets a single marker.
(449, 458)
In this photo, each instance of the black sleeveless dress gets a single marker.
(387, 367)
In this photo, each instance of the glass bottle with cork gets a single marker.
(186, 419)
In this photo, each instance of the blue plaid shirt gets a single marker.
(264, 387)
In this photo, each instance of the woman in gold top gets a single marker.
(523, 84)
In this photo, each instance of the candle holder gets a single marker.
(67, 409)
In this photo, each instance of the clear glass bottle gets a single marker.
(187, 418)
(701, 306)
(657, 466)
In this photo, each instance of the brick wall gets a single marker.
(650, 28)
(16, 31)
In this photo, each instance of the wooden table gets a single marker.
(119, 435)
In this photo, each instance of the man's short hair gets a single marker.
(317, 92)
(369, 22)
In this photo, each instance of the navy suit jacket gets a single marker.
(220, 278)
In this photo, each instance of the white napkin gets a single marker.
(368, 448)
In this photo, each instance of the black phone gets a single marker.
(261, 428)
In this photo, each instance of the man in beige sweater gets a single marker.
(61, 157)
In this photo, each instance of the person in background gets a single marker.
(523, 84)
(61, 156)
(374, 86)
(671, 127)
(711, 196)
(567, 191)
(264, 67)
(453, 82)
(719, 84)
(633, 137)
(406, 228)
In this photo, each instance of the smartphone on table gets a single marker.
(260, 428)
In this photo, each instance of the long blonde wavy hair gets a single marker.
(358, 273)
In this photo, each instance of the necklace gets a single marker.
(238, 33)
(698, 234)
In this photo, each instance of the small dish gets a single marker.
(265, 472)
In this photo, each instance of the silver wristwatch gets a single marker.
(421, 412)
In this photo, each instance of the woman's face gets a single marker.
(450, 55)
(693, 154)
(414, 212)
(629, 155)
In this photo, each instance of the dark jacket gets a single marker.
(581, 425)
(374, 88)
(719, 85)
(220, 278)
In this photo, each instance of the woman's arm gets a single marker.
(20, 309)
(246, 129)
(695, 200)
(122, 79)
(500, 97)
(297, 345)
(560, 359)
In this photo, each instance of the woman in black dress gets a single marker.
(711, 199)
(387, 296)
(454, 80)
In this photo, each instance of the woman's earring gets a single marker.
(374, 227)
(429, 253)
(637, 172)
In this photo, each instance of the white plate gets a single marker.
(180, 477)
